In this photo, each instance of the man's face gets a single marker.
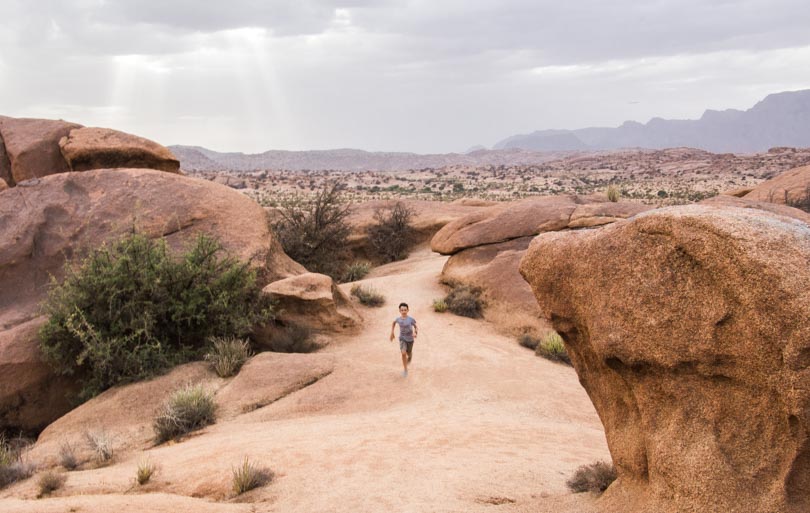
(403, 311)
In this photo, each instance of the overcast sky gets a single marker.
(422, 75)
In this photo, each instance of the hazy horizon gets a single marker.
(420, 77)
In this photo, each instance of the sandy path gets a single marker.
(479, 420)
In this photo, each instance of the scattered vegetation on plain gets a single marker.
(248, 476)
(187, 409)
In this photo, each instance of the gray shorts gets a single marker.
(405, 346)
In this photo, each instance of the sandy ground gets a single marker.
(480, 424)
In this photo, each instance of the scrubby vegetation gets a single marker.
(439, 305)
(595, 477)
(356, 271)
(465, 300)
(314, 231)
(101, 443)
(292, 338)
(227, 355)
(391, 235)
(248, 476)
(187, 409)
(145, 470)
(613, 193)
(552, 347)
(131, 310)
(12, 466)
(529, 341)
(49, 482)
(67, 456)
(367, 295)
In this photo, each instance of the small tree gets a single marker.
(314, 232)
(392, 234)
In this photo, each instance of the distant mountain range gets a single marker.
(781, 119)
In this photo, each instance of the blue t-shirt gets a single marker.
(406, 327)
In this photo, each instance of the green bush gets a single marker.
(368, 296)
(130, 310)
(315, 232)
(391, 235)
(439, 305)
(248, 476)
(356, 271)
(552, 348)
(595, 477)
(186, 410)
(465, 300)
(227, 355)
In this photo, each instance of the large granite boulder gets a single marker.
(101, 148)
(32, 147)
(689, 328)
(315, 301)
(791, 186)
(47, 221)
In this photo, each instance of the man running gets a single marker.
(407, 335)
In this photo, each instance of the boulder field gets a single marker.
(689, 328)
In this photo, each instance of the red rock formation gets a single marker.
(32, 146)
(313, 300)
(102, 148)
(689, 328)
(791, 185)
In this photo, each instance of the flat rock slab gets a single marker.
(104, 148)
(32, 146)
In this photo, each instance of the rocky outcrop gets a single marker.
(5, 164)
(790, 186)
(529, 217)
(45, 222)
(315, 301)
(689, 328)
(104, 148)
(32, 146)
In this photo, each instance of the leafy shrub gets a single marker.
(129, 310)
(439, 305)
(613, 193)
(391, 234)
(552, 348)
(315, 232)
(227, 355)
(368, 296)
(465, 300)
(145, 470)
(595, 477)
(356, 271)
(248, 476)
(50, 481)
(101, 443)
(67, 456)
(529, 341)
(292, 338)
(186, 410)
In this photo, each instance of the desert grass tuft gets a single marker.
(439, 305)
(613, 193)
(552, 347)
(101, 443)
(368, 295)
(50, 482)
(227, 355)
(187, 409)
(12, 467)
(356, 271)
(248, 476)
(67, 456)
(595, 477)
(145, 470)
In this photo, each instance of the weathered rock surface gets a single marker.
(774, 208)
(32, 146)
(47, 221)
(529, 217)
(428, 218)
(791, 185)
(5, 164)
(29, 393)
(313, 300)
(104, 148)
(3, 185)
(689, 328)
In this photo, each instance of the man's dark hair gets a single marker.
(405, 305)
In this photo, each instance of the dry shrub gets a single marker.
(227, 355)
(367, 295)
(595, 477)
(187, 409)
(356, 271)
(529, 341)
(613, 193)
(465, 300)
(439, 305)
(67, 456)
(293, 338)
(552, 348)
(145, 470)
(101, 443)
(391, 235)
(49, 482)
(248, 476)
(12, 466)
